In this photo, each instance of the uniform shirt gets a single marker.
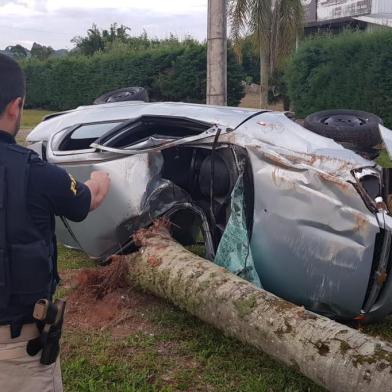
(52, 192)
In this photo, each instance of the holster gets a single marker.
(50, 317)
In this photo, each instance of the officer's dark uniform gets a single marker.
(32, 192)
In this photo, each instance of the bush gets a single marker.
(176, 73)
(351, 71)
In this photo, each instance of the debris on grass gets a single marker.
(99, 282)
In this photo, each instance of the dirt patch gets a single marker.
(101, 299)
(252, 100)
(99, 282)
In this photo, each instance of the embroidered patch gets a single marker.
(73, 185)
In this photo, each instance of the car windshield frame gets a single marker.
(61, 136)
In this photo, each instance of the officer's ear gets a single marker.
(14, 108)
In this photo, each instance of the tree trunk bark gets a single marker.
(331, 354)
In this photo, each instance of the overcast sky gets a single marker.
(56, 22)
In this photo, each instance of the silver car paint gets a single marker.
(310, 223)
(230, 117)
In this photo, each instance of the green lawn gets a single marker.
(172, 352)
(31, 117)
(384, 160)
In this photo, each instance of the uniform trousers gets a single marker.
(20, 372)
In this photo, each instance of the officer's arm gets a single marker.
(98, 184)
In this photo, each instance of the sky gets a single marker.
(56, 22)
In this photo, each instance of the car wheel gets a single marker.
(123, 94)
(348, 127)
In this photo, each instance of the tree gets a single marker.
(41, 52)
(273, 26)
(331, 354)
(97, 40)
(17, 51)
(90, 44)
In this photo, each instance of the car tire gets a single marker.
(122, 95)
(351, 127)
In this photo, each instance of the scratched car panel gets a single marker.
(316, 235)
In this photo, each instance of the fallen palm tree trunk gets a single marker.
(331, 354)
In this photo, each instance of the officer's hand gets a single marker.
(99, 184)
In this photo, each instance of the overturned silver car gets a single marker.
(290, 210)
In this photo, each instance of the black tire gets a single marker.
(350, 127)
(123, 94)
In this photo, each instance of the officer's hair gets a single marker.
(12, 81)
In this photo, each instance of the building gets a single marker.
(336, 15)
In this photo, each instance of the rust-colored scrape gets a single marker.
(342, 185)
(278, 161)
(280, 180)
(274, 177)
(382, 277)
(361, 223)
(313, 158)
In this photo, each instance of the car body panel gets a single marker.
(230, 117)
(326, 252)
(313, 235)
(131, 177)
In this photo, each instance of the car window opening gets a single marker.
(190, 169)
(81, 137)
(145, 128)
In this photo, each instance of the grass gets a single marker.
(383, 160)
(182, 354)
(32, 117)
(201, 359)
(69, 259)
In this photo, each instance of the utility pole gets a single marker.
(217, 53)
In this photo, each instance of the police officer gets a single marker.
(32, 193)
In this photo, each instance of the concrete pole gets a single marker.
(217, 53)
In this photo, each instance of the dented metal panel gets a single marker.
(315, 229)
(132, 181)
(310, 223)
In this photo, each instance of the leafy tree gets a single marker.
(17, 51)
(41, 52)
(90, 44)
(273, 26)
(97, 40)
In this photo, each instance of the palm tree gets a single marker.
(273, 25)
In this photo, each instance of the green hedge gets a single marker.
(352, 70)
(169, 74)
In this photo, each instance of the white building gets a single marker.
(337, 14)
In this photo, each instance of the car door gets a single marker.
(134, 170)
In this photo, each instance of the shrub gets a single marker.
(176, 73)
(351, 71)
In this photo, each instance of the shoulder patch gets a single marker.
(73, 185)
